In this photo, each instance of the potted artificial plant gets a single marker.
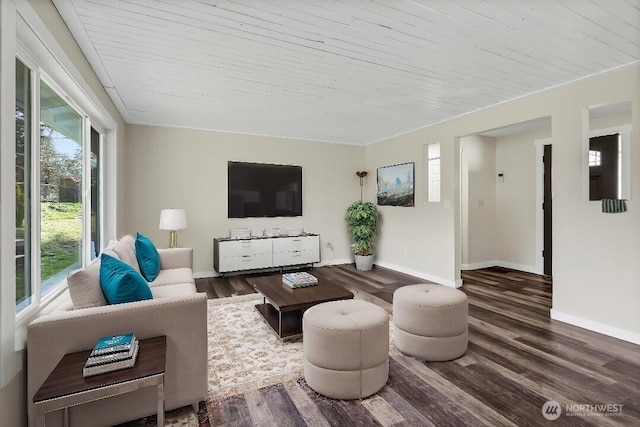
(362, 224)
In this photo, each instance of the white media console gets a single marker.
(230, 255)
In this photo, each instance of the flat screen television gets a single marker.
(264, 190)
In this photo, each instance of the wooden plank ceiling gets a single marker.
(350, 71)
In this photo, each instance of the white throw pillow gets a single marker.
(84, 287)
(126, 252)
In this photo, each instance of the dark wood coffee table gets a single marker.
(282, 307)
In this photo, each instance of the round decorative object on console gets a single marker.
(346, 348)
(294, 232)
(271, 232)
(430, 322)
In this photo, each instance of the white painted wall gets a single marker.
(417, 240)
(609, 121)
(516, 205)
(596, 273)
(478, 202)
(12, 401)
(182, 168)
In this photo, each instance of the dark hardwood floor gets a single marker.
(518, 359)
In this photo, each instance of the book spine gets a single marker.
(110, 357)
(107, 350)
(89, 371)
(289, 283)
(301, 280)
(297, 285)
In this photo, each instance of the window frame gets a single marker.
(67, 89)
(27, 173)
(38, 300)
(10, 360)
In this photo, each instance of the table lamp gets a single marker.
(173, 220)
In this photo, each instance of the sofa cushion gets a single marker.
(174, 275)
(84, 286)
(148, 257)
(121, 283)
(125, 249)
(176, 290)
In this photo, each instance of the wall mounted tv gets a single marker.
(264, 190)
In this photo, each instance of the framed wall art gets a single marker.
(395, 185)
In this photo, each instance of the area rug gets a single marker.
(244, 353)
(245, 356)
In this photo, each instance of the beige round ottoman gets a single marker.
(346, 348)
(430, 322)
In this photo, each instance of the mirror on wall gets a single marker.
(609, 151)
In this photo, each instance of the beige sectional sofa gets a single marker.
(177, 310)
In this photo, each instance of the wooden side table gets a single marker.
(66, 387)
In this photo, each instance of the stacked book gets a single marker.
(299, 280)
(112, 353)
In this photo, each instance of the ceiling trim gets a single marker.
(291, 138)
(573, 82)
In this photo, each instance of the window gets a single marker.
(595, 158)
(53, 161)
(23, 184)
(433, 172)
(60, 189)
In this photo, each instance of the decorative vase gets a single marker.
(364, 262)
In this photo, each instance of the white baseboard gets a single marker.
(336, 262)
(451, 283)
(212, 273)
(420, 274)
(600, 328)
(504, 264)
(479, 265)
(519, 267)
(204, 274)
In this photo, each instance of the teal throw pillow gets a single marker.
(148, 257)
(120, 282)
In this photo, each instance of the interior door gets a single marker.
(547, 208)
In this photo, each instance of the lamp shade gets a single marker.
(173, 219)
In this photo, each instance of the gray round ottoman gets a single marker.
(346, 348)
(430, 322)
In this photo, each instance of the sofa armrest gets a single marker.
(183, 319)
(176, 258)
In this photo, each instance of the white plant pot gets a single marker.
(364, 262)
